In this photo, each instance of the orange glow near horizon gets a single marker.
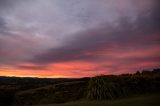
(70, 70)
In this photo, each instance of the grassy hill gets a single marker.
(56, 93)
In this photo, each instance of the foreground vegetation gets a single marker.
(145, 100)
(109, 89)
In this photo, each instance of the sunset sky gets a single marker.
(78, 38)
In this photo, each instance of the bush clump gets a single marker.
(99, 89)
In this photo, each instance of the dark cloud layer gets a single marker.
(31, 67)
(142, 34)
(2, 25)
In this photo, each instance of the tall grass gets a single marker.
(99, 89)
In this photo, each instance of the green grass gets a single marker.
(144, 100)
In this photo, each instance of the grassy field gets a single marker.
(145, 100)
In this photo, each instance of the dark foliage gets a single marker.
(116, 86)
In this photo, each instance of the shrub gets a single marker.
(99, 89)
(96, 88)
